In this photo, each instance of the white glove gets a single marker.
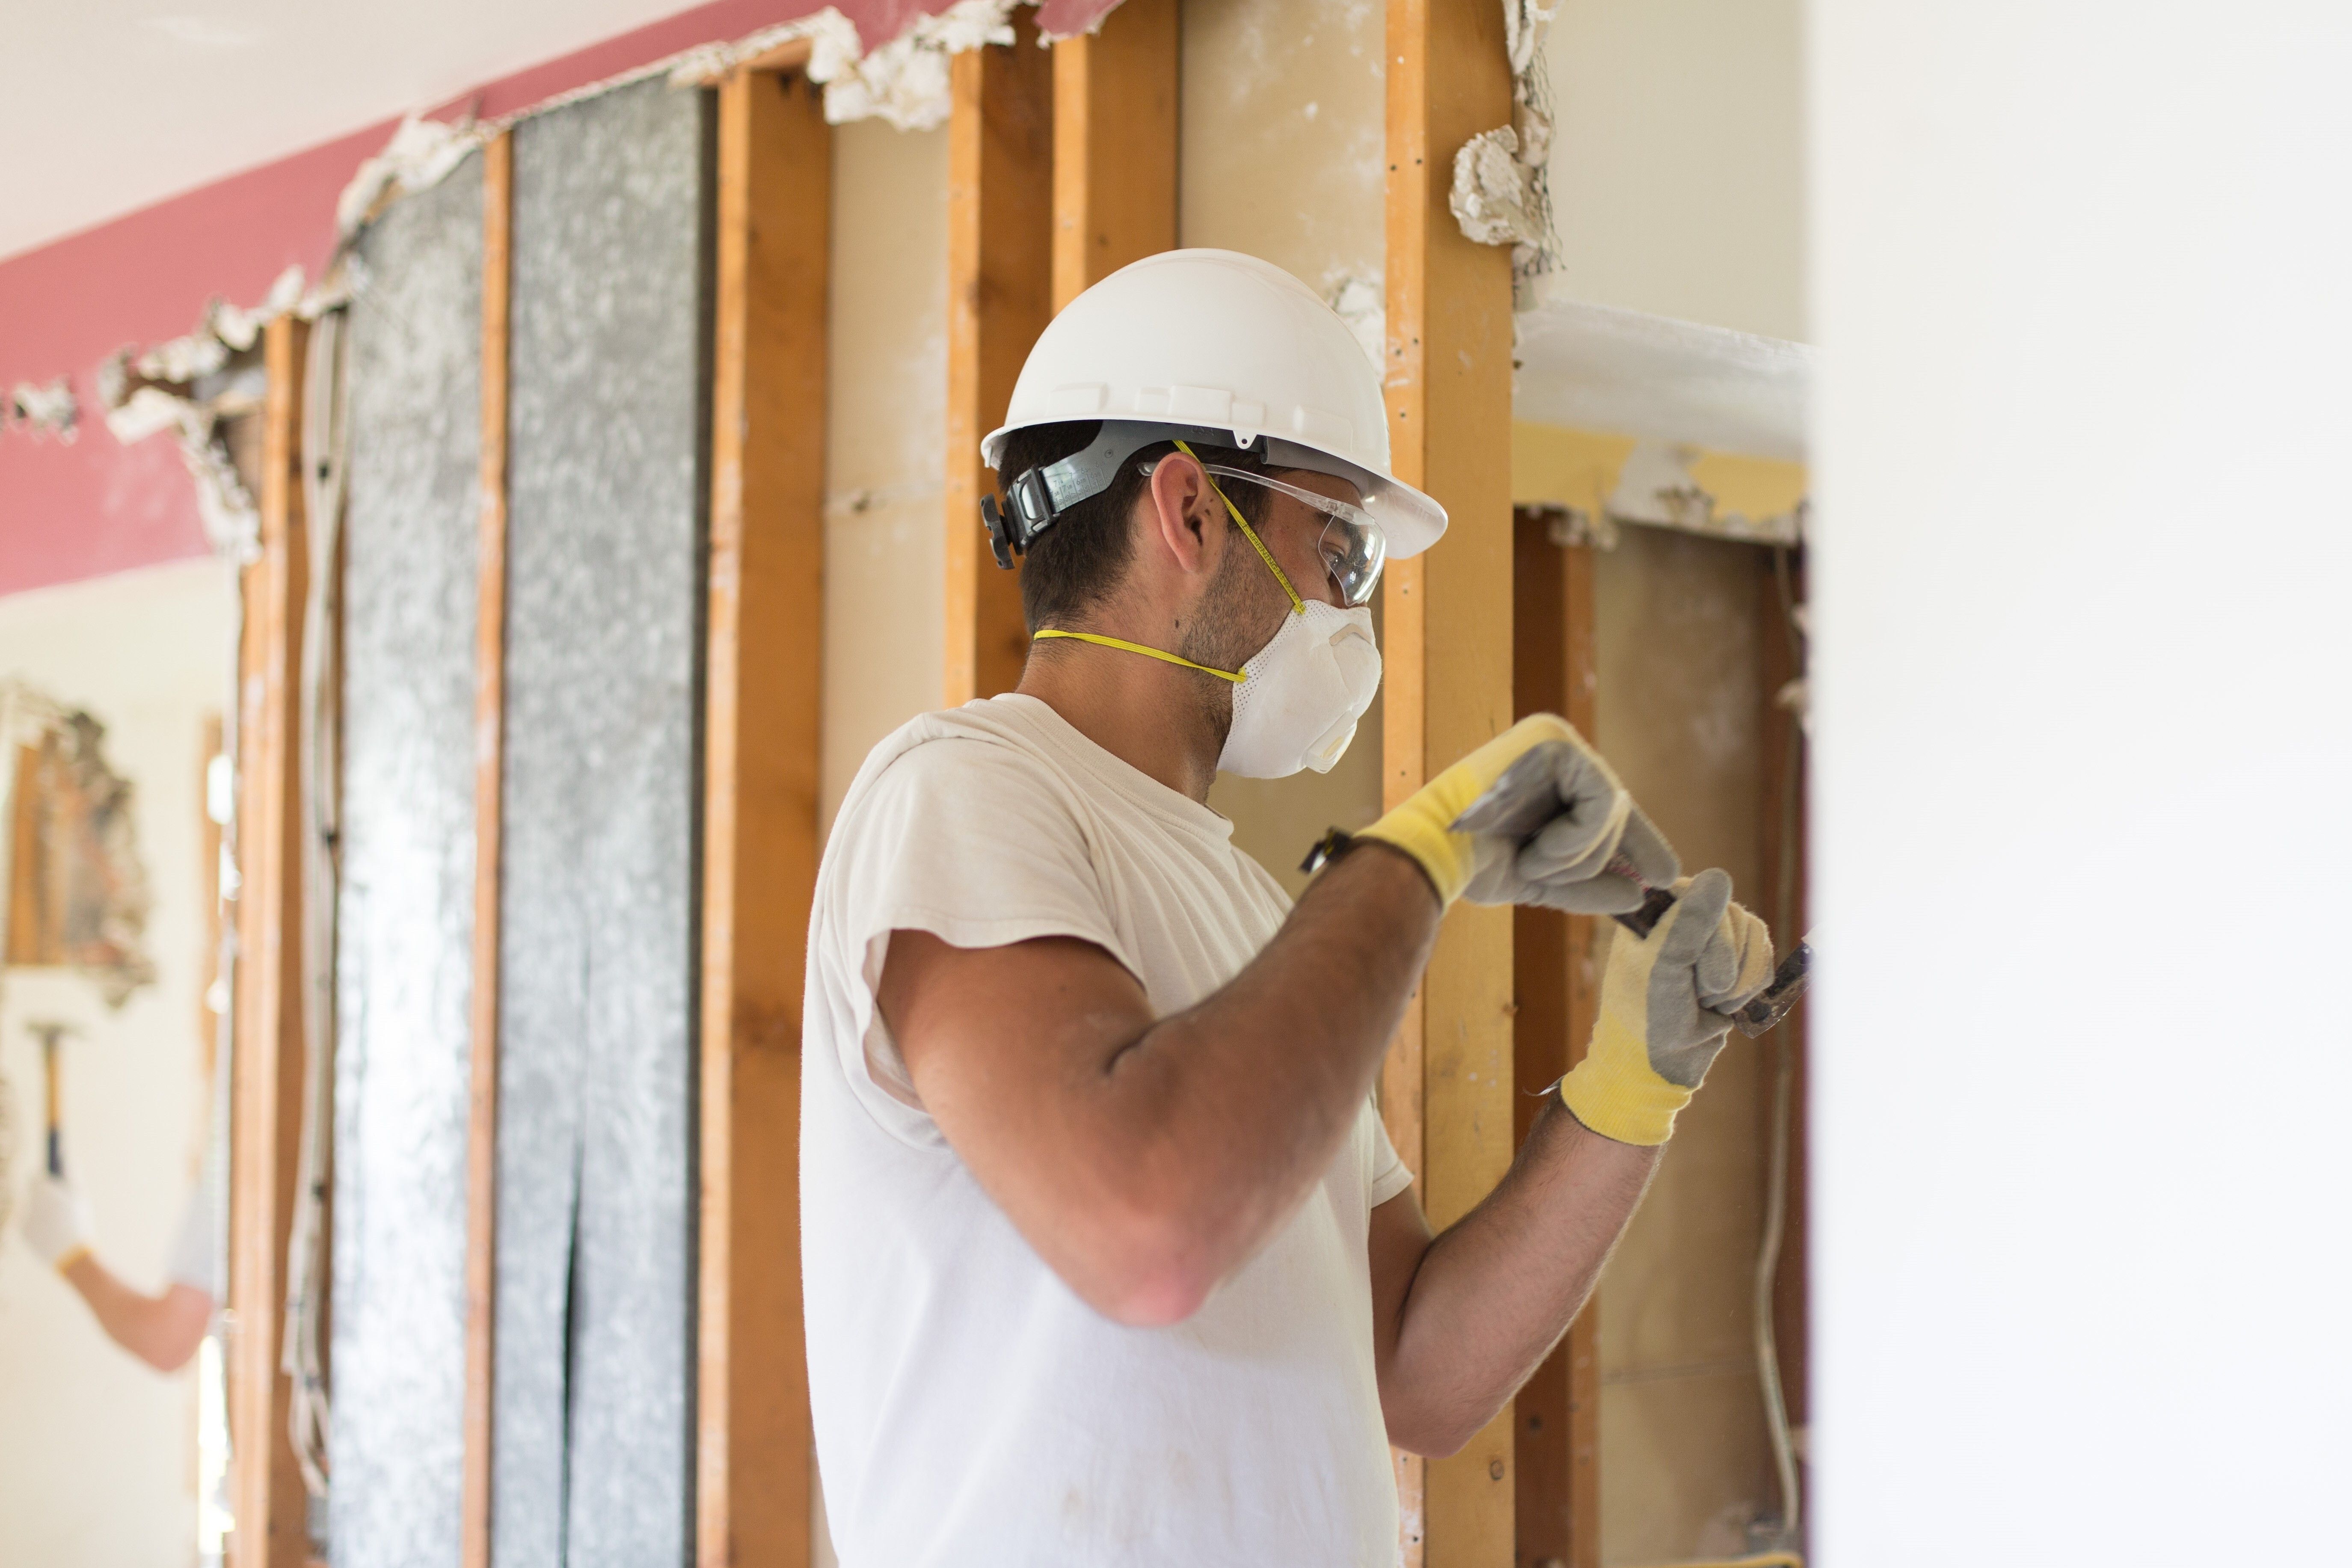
(57, 1220)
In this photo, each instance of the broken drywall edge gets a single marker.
(1362, 303)
(420, 156)
(1501, 192)
(43, 410)
(904, 81)
(1656, 488)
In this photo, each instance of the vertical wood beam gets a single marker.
(490, 779)
(1000, 297)
(1114, 145)
(266, 1116)
(760, 846)
(1448, 1086)
(1555, 670)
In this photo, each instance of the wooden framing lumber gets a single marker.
(489, 780)
(266, 1066)
(760, 843)
(1114, 145)
(1554, 670)
(1000, 296)
(1446, 1088)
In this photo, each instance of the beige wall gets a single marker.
(1684, 1462)
(1677, 170)
(98, 1458)
(1281, 157)
(887, 406)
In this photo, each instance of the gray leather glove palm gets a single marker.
(1666, 1002)
(1557, 829)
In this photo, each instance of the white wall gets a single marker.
(1677, 166)
(2082, 1058)
(97, 1460)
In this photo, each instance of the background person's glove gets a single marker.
(56, 1221)
(1558, 816)
(1666, 1003)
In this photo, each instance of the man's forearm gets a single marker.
(1252, 1091)
(1495, 1292)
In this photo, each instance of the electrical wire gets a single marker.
(1776, 1201)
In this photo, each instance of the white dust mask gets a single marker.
(1300, 696)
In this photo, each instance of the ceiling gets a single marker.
(1596, 367)
(113, 104)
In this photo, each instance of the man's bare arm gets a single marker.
(1462, 1320)
(1148, 1159)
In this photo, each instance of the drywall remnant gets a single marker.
(419, 156)
(1568, 526)
(44, 411)
(1656, 487)
(187, 385)
(1362, 303)
(1501, 192)
(903, 82)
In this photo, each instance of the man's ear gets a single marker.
(1179, 504)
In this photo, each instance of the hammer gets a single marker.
(51, 1035)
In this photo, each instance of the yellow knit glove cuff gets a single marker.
(1613, 1090)
(1421, 824)
(72, 1256)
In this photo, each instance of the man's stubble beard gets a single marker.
(1237, 618)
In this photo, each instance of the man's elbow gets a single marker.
(1433, 1433)
(1153, 1270)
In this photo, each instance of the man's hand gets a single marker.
(1666, 1003)
(56, 1221)
(1533, 817)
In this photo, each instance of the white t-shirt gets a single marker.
(970, 1410)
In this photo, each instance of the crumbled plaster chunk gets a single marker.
(44, 410)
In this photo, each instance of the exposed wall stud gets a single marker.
(760, 828)
(1446, 1088)
(490, 777)
(1114, 145)
(1000, 296)
(1557, 986)
(266, 1115)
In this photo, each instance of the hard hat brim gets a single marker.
(1411, 520)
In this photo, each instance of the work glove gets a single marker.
(1666, 1002)
(1533, 817)
(56, 1221)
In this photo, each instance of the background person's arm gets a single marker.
(162, 1331)
(1147, 1159)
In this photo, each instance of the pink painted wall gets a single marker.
(84, 509)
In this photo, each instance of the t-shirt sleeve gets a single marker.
(1389, 1176)
(980, 845)
(195, 1250)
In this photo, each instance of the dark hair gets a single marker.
(1076, 563)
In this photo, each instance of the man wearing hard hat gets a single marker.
(1108, 1259)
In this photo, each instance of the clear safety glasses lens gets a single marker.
(1354, 546)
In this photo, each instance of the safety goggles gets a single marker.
(1353, 545)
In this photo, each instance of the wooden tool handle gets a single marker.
(50, 1074)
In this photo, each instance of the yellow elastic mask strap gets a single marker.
(1237, 677)
(1296, 606)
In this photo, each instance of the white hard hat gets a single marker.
(1216, 339)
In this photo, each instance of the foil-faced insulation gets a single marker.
(606, 487)
(405, 910)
